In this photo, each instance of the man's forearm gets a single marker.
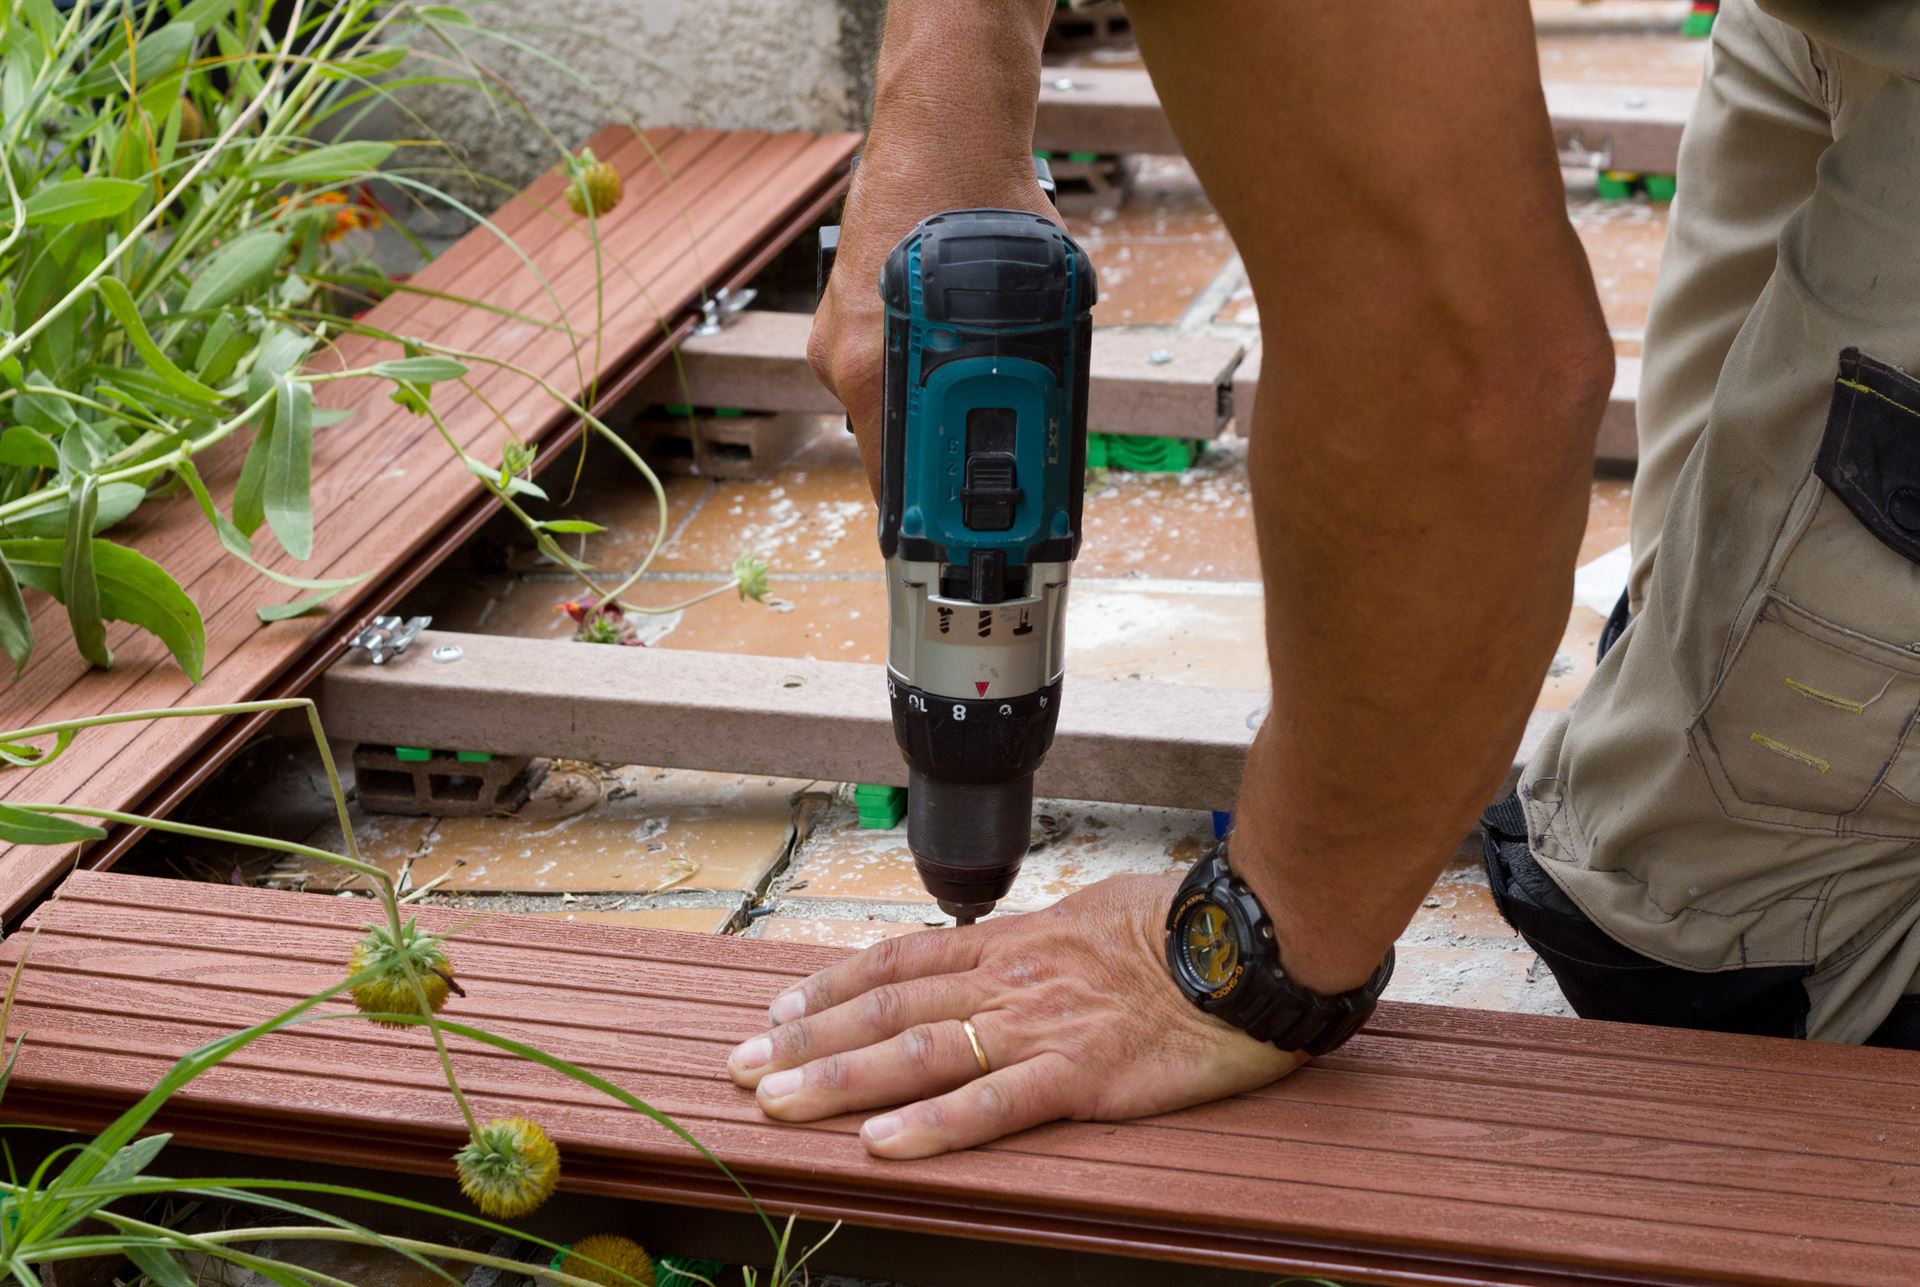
(1434, 365)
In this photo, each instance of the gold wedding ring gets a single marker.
(979, 1052)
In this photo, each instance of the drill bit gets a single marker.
(963, 918)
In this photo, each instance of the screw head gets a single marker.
(1063, 83)
(1160, 357)
(449, 652)
(1636, 101)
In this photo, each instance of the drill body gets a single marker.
(988, 330)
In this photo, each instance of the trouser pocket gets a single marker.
(1809, 723)
(1602, 979)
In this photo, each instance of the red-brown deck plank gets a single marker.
(698, 203)
(1489, 1148)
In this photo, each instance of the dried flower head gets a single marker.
(591, 184)
(622, 1261)
(389, 991)
(510, 1169)
(750, 570)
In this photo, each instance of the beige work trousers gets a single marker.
(1740, 784)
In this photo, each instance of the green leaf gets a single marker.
(236, 268)
(512, 484)
(453, 17)
(237, 544)
(289, 476)
(133, 588)
(25, 827)
(332, 163)
(16, 628)
(370, 63)
(155, 55)
(421, 370)
(130, 1162)
(250, 492)
(79, 587)
(81, 200)
(51, 517)
(120, 302)
(570, 526)
(221, 349)
(28, 448)
(158, 1265)
(26, 755)
(271, 612)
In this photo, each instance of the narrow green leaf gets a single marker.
(202, 14)
(571, 526)
(271, 612)
(133, 1160)
(449, 14)
(512, 484)
(79, 587)
(289, 478)
(237, 544)
(370, 63)
(133, 588)
(156, 54)
(25, 827)
(158, 1265)
(250, 490)
(28, 448)
(221, 349)
(114, 502)
(331, 163)
(26, 755)
(120, 302)
(426, 369)
(16, 628)
(80, 200)
(236, 268)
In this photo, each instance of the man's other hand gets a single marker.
(1074, 1008)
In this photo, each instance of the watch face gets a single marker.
(1209, 946)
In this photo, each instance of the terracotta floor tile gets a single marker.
(1207, 633)
(692, 920)
(1083, 843)
(827, 620)
(1197, 524)
(1462, 909)
(1606, 517)
(834, 933)
(1623, 240)
(613, 495)
(814, 515)
(1483, 978)
(592, 830)
(1155, 253)
(1573, 662)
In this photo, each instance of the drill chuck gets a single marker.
(968, 839)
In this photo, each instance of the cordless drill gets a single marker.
(983, 470)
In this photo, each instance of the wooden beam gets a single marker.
(1617, 444)
(1120, 741)
(1092, 109)
(758, 362)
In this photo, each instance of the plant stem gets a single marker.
(204, 833)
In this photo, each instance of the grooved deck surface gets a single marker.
(1440, 1146)
(698, 203)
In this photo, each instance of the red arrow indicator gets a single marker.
(981, 686)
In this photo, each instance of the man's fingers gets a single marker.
(872, 1017)
(1007, 1100)
(925, 1060)
(891, 960)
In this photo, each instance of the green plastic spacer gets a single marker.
(677, 409)
(679, 1271)
(474, 757)
(1082, 158)
(1149, 454)
(1097, 450)
(1699, 24)
(1616, 185)
(728, 413)
(880, 807)
(1660, 187)
(412, 754)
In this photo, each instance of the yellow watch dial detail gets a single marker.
(1211, 949)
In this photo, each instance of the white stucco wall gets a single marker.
(737, 64)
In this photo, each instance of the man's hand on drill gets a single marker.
(1073, 1006)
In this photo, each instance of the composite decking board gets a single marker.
(1118, 740)
(1431, 1189)
(758, 361)
(731, 195)
(1117, 110)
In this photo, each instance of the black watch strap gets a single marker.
(1265, 1003)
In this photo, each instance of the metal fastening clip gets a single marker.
(386, 637)
(720, 308)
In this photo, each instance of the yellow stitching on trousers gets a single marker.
(1827, 699)
(1781, 748)
(1867, 388)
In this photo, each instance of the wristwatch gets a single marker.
(1225, 956)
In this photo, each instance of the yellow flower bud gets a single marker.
(510, 1169)
(389, 991)
(622, 1261)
